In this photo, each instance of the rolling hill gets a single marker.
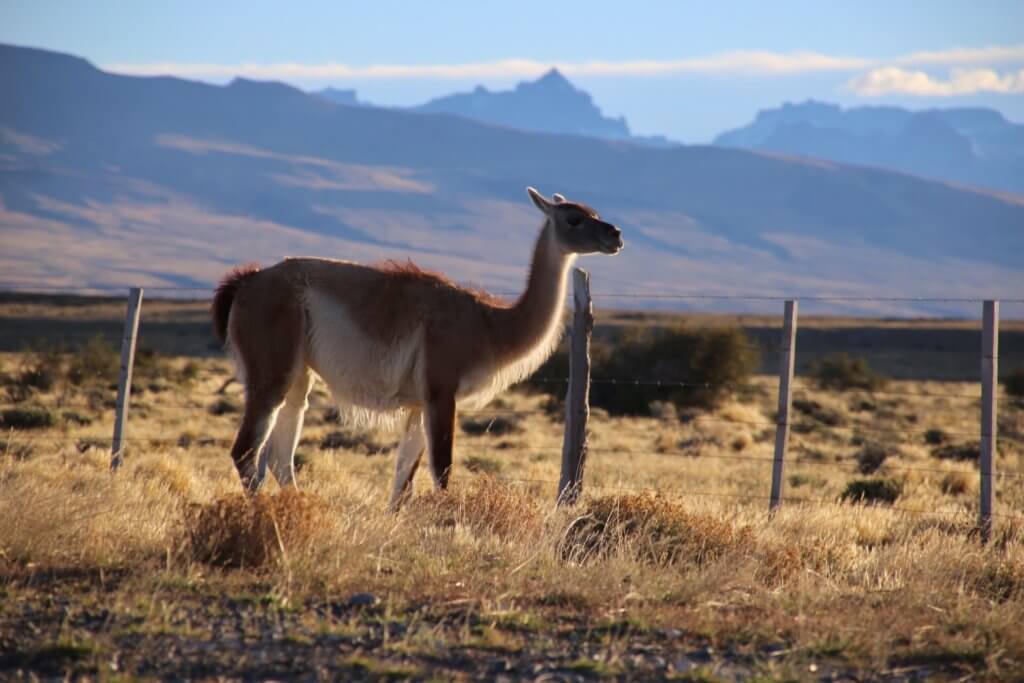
(108, 179)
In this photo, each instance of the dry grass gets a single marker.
(873, 585)
(485, 505)
(243, 531)
(650, 528)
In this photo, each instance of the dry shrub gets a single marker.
(777, 564)
(870, 457)
(955, 483)
(237, 530)
(962, 452)
(1001, 579)
(485, 505)
(650, 528)
(816, 411)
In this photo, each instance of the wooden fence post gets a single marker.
(577, 396)
(124, 383)
(989, 426)
(787, 353)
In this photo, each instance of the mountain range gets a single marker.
(550, 104)
(111, 180)
(971, 146)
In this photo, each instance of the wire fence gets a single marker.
(803, 386)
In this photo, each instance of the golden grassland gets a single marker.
(672, 537)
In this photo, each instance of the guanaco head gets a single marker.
(577, 227)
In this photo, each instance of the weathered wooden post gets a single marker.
(989, 425)
(787, 353)
(124, 383)
(577, 397)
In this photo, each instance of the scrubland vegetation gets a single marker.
(670, 566)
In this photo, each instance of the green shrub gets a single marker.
(964, 452)
(842, 372)
(28, 417)
(148, 366)
(1014, 382)
(870, 457)
(698, 369)
(38, 377)
(872, 491)
(39, 371)
(97, 362)
(935, 437)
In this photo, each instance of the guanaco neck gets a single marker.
(537, 314)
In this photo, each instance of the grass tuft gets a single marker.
(237, 530)
(485, 505)
(650, 528)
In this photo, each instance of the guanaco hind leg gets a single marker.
(410, 450)
(280, 448)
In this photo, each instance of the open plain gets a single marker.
(670, 566)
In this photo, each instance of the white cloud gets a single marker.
(973, 71)
(964, 56)
(893, 80)
(747, 62)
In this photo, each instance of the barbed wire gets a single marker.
(770, 379)
(882, 392)
(751, 458)
(23, 286)
(187, 441)
(797, 297)
(754, 496)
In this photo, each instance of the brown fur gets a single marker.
(465, 343)
(410, 271)
(220, 309)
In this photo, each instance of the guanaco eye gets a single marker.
(575, 220)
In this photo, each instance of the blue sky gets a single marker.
(685, 69)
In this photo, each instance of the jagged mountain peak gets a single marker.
(550, 104)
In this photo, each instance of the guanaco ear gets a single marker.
(558, 198)
(539, 200)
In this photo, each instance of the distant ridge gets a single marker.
(973, 146)
(341, 96)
